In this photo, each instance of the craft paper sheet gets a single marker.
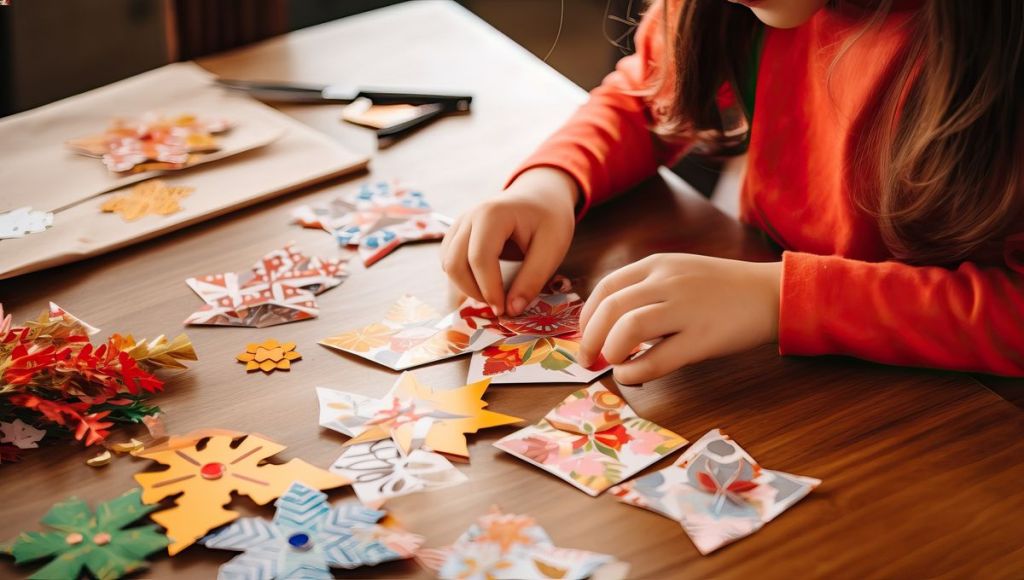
(413, 334)
(279, 288)
(23, 221)
(376, 219)
(539, 346)
(308, 537)
(717, 492)
(593, 440)
(229, 463)
(380, 471)
(412, 414)
(503, 546)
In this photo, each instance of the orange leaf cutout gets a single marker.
(229, 463)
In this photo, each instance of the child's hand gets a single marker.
(536, 214)
(703, 307)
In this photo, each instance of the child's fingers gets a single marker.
(617, 280)
(660, 360)
(446, 241)
(456, 263)
(485, 246)
(635, 327)
(544, 254)
(608, 312)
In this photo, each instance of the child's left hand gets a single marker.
(703, 308)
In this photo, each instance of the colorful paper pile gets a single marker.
(717, 492)
(280, 288)
(376, 219)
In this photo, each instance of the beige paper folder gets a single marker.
(265, 155)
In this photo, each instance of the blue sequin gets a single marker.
(299, 541)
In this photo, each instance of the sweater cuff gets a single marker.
(805, 294)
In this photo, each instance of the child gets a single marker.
(883, 155)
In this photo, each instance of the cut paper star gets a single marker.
(98, 543)
(307, 537)
(21, 434)
(376, 219)
(412, 414)
(269, 356)
(717, 492)
(20, 222)
(593, 440)
(278, 289)
(152, 197)
(207, 476)
(413, 334)
(379, 471)
(503, 546)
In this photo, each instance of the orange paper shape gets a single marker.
(269, 356)
(147, 198)
(205, 479)
(412, 414)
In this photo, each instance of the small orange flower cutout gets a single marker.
(269, 356)
(148, 198)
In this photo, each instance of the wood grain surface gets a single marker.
(921, 469)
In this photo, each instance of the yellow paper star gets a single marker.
(269, 356)
(147, 198)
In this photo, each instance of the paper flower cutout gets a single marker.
(307, 537)
(206, 476)
(509, 546)
(152, 197)
(717, 492)
(20, 222)
(280, 288)
(412, 414)
(269, 356)
(98, 543)
(21, 434)
(379, 471)
(592, 440)
(152, 142)
(376, 219)
(539, 346)
(413, 334)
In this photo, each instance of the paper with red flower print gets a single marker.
(717, 492)
(411, 334)
(539, 346)
(592, 440)
(281, 287)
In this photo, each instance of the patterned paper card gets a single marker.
(717, 492)
(379, 471)
(592, 440)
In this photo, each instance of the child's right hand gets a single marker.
(533, 220)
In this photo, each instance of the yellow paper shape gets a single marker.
(152, 197)
(269, 356)
(455, 412)
(206, 479)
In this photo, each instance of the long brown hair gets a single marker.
(947, 151)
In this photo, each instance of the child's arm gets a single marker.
(605, 148)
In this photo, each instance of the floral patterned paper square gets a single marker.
(593, 440)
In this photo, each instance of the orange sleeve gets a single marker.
(967, 319)
(607, 145)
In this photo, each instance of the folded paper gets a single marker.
(152, 197)
(502, 546)
(20, 222)
(717, 492)
(206, 468)
(376, 219)
(100, 544)
(269, 356)
(413, 415)
(413, 334)
(380, 471)
(20, 434)
(308, 537)
(593, 440)
(280, 288)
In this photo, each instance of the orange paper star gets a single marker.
(205, 477)
(148, 198)
(269, 356)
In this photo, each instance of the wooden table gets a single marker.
(922, 470)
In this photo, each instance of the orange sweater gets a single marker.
(842, 292)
